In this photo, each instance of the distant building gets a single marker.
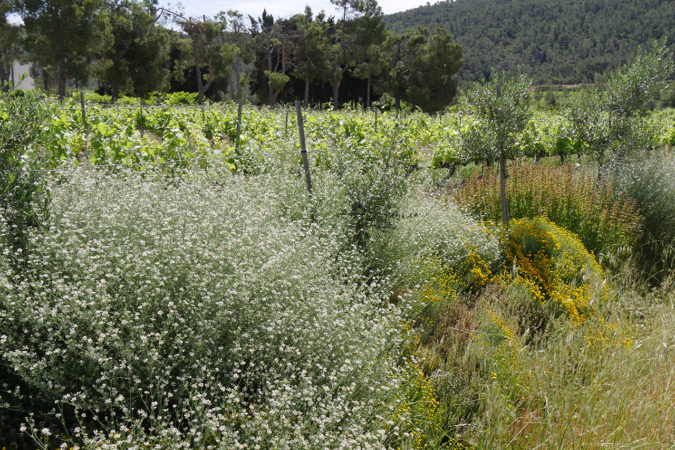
(18, 70)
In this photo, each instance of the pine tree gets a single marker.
(66, 35)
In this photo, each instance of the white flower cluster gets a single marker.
(431, 228)
(207, 311)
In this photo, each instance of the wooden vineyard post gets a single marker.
(375, 120)
(84, 123)
(241, 104)
(286, 125)
(84, 115)
(141, 121)
(303, 148)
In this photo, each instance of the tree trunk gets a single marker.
(273, 98)
(61, 75)
(4, 76)
(398, 104)
(115, 92)
(502, 186)
(270, 89)
(84, 114)
(270, 95)
(306, 94)
(237, 72)
(368, 93)
(200, 87)
(205, 87)
(336, 89)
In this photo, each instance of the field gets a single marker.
(167, 283)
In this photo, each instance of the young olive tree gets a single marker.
(501, 110)
(611, 121)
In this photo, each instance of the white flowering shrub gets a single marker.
(208, 311)
(433, 229)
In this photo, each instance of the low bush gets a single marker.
(651, 182)
(556, 267)
(23, 200)
(91, 97)
(604, 218)
(433, 235)
(189, 313)
(179, 98)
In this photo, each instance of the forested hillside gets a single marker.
(554, 41)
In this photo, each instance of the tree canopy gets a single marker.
(123, 45)
(139, 49)
(10, 42)
(555, 42)
(65, 36)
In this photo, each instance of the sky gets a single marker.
(285, 8)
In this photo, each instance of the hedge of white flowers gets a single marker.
(204, 310)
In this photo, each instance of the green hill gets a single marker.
(554, 41)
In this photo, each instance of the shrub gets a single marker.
(126, 100)
(191, 313)
(23, 202)
(603, 219)
(556, 267)
(433, 237)
(180, 98)
(97, 98)
(375, 194)
(650, 181)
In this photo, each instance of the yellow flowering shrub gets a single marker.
(440, 283)
(555, 266)
(415, 409)
(479, 268)
(423, 406)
